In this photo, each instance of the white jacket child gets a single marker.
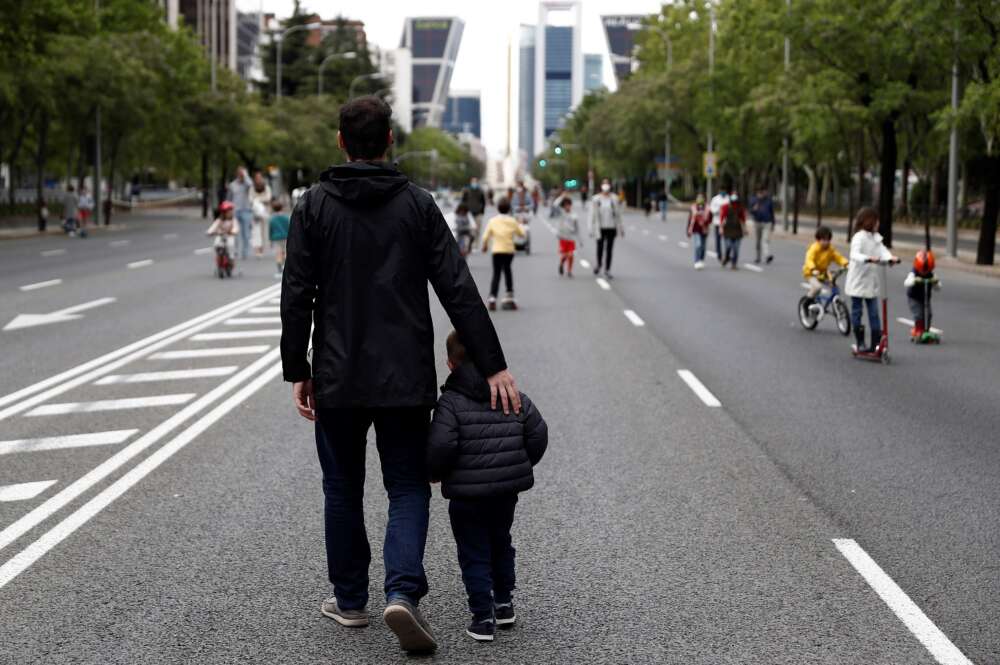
(862, 277)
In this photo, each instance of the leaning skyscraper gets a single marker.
(433, 44)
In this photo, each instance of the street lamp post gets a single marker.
(350, 55)
(784, 142)
(280, 37)
(711, 71)
(359, 79)
(952, 222)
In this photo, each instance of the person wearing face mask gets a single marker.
(605, 226)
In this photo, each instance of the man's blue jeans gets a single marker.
(401, 439)
(245, 218)
(699, 242)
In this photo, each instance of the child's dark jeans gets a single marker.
(485, 554)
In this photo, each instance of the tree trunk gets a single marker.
(204, 184)
(904, 206)
(991, 210)
(811, 191)
(819, 197)
(887, 179)
(40, 153)
(795, 200)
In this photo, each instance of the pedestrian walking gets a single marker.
(762, 212)
(71, 210)
(734, 223)
(536, 199)
(373, 358)
(605, 226)
(715, 207)
(260, 206)
(474, 200)
(465, 229)
(483, 459)
(568, 234)
(86, 206)
(501, 230)
(699, 222)
(277, 228)
(238, 193)
(862, 277)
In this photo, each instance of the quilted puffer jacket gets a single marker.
(477, 452)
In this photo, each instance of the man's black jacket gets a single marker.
(474, 200)
(362, 244)
(476, 451)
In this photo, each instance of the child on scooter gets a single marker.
(920, 283)
(819, 256)
(863, 277)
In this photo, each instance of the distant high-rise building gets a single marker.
(593, 71)
(558, 67)
(462, 114)
(526, 91)
(620, 32)
(433, 44)
(213, 22)
(248, 34)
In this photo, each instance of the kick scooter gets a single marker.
(929, 335)
(881, 351)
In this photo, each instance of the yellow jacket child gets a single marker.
(819, 256)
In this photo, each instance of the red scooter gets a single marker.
(881, 351)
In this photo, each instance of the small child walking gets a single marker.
(278, 234)
(862, 277)
(568, 234)
(483, 459)
(501, 230)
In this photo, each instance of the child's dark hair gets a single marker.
(462, 209)
(276, 204)
(503, 205)
(455, 348)
(824, 233)
(565, 202)
(864, 216)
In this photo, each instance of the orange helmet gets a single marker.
(923, 262)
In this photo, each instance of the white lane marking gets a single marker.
(662, 237)
(169, 375)
(26, 557)
(140, 264)
(109, 466)
(253, 321)
(39, 392)
(603, 283)
(634, 318)
(40, 285)
(59, 316)
(60, 442)
(264, 310)
(110, 404)
(712, 254)
(684, 244)
(169, 236)
(24, 491)
(645, 232)
(119, 243)
(699, 388)
(235, 334)
(909, 322)
(274, 301)
(54, 252)
(908, 612)
(585, 263)
(750, 266)
(204, 250)
(211, 353)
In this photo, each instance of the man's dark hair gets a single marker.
(503, 205)
(455, 348)
(364, 125)
(462, 209)
(824, 233)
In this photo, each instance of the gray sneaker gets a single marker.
(349, 618)
(409, 625)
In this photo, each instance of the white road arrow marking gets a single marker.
(24, 491)
(68, 314)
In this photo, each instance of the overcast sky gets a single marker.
(482, 57)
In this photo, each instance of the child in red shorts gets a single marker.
(569, 235)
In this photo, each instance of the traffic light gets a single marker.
(543, 163)
(571, 183)
(558, 150)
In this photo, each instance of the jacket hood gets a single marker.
(467, 380)
(363, 183)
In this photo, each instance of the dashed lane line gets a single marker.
(140, 264)
(634, 318)
(168, 375)
(752, 267)
(910, 323)
(111, 404)
(935, 641)
(169, 236)
(585, 263)
(703, 393)
(662, 238)
(712, 253)
(41, 285)
(24, 491)
(54, 252)
(119, 243)
(603, 283)
(204, 250)
(264, 310)
(211, 353)
(235, 334)
(253, 321)
(683, 244)
(70, 441)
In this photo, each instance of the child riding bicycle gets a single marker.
(819, 256)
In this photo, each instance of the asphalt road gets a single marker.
(186, 527)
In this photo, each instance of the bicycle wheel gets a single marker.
(806, 316)
(843, 318)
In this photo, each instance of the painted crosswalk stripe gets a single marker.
(683, 244)
(140, 264)
(935, 641)
(210, 353)
(119, 243)
(253, 321)
(603, 283)
(275, 301)
(645, 232)
(54, 252)
(909, 322)
(634, 318)
(699, 388)
(110, 404)
(24, 491)
(169, 236)
(169, 375)
(750, 266)
(273, 309)
(204, 250)
(235, 334)
(662, 238)
(108, 438)
(40, 285)
(585, 263)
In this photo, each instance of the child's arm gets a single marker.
(213, 228)
(442, 441)
(810, 265)
(839, 258)
(536, 432)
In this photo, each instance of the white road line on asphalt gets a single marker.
(909, 322)
(204, 250)
(41, 391)
(634, 318)
(60, 442)
(699, 388)
(908, 612)
(169, 375)
(754, 268)
(253, 321)
(24, 491)
(683, 244)
(59, 316)
(264, 310)
(110, 404)
(140, 264)
(603, 283)
(712, 254)
(54, 252)
(40, 285)
(55, 503)
(662, 237)
(274, 301)
(169, 236)
(30, 554)
(211, 353)
(645, 232)
(585, 263)
(119, 243)
(235, 334)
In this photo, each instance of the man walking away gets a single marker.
(762, 211)
(605, 225)
(474, 200)
(238, 192)
(362, 245)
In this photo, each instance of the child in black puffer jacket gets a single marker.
(483, 458)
